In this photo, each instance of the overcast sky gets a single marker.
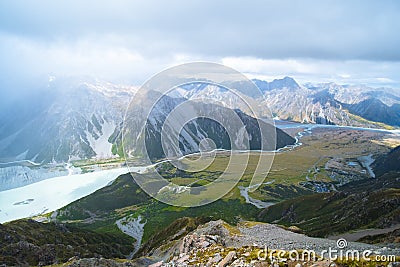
(129, 41)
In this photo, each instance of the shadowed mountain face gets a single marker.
(375, 110)
(388, 163)
(260, 135)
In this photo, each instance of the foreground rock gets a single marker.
(248, 244)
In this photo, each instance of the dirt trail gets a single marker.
(354, 236)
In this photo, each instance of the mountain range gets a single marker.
(330, 103)
(81, 118)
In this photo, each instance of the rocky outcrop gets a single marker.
(194, 241)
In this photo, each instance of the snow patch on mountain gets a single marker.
(100, 145)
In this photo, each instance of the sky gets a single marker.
(348, 42)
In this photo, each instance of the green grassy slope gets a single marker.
(100, 210)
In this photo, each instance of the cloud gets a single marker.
(130, 40)
(267, 29)
(271, 66)
(84, 57)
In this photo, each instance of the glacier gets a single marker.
(17, 176)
